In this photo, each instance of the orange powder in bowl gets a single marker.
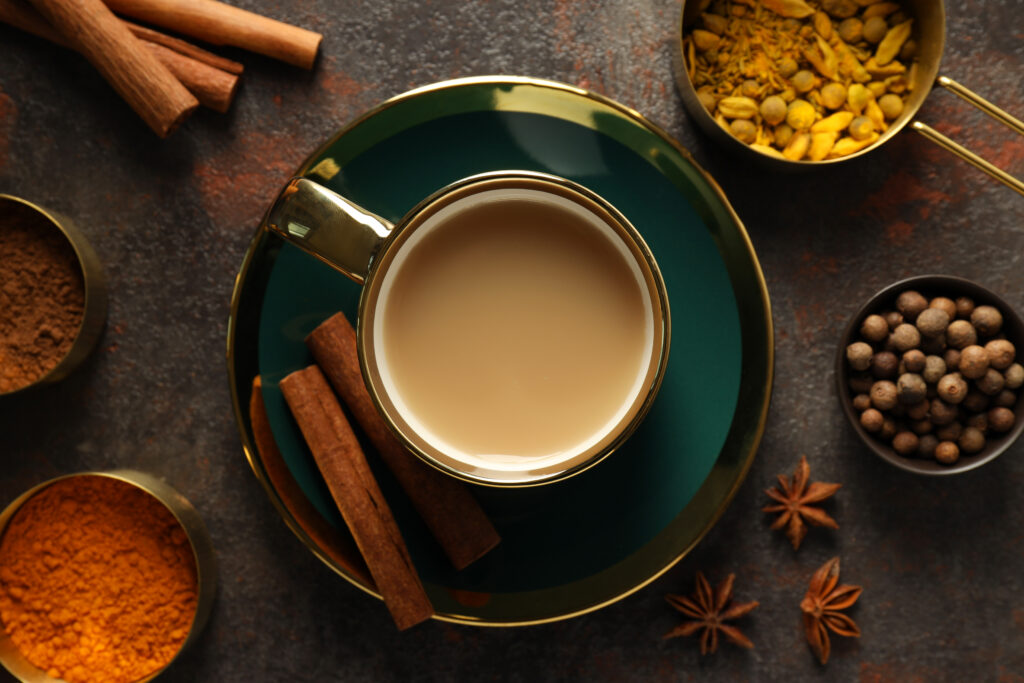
(98, 581)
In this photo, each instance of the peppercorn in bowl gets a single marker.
(930, 375)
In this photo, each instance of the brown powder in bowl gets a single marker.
(42, 296)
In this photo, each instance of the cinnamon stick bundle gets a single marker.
(445, 504)
(355, 491)
(134, 72)
(222, 24)
(212, 79)
(335, 545)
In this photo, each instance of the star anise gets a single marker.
(795, 501)
(821, 608)
(709, 609)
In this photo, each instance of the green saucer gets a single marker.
(574, 546)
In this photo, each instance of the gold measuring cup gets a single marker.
(929, 31)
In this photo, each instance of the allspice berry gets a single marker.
(991, 382)
(973, 361)
(883, 395)
(1014, 376)
(961, 333)
(874, 328)
(861, 402)
(978, 421)
(905, 337)
(1001, 419)
(952, 359)
(949, 432)
(926, 445)
(888, 429)
(941, 413)
(1001, 353)
(871, 420)
(914, 360)
(932, 322)
(964, 307)
(987, 320)
(893, 318)
(947, 452)
(918, 411)
(952, 388)
(884, 365)
(905, 443)
(934, 369)
(975, 401)
(910, 303)
(910, 388)
(945, 304)
(1005, 399)
(971, 440)
(858, 355)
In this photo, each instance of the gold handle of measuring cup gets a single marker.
(961, 151)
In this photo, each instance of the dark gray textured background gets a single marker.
(940, 560)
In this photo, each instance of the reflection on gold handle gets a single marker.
(961, 151)
(981, 103)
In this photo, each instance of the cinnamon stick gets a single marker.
(212, 79)
(146, 84)
(222, 24)
(333, 544)
(355, 491)
(452, 514)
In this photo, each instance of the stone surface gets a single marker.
(940, 559)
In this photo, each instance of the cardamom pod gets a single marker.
(797, 146)
(823, 25)
(705, 40)
(770, 151)
(880, 9)
(737, 107)
(793, 9)
(873, 67)
(821, 145)
(833, 124)
(845, 146)
(892, 42)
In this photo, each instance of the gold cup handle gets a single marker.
(328, 226)
(961, 151)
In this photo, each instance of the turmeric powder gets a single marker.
(97, 581)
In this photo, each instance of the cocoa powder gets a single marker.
(42, 296)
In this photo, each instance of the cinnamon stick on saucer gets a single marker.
(330, 541)
(223, 24)
(355, 491)
(454, 517)
(139, 77)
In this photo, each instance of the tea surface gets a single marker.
(516, 328)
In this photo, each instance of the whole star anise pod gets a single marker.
(795, 499)
(821, 607)
(709, 609)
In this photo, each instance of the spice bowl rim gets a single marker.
(936, 284)
(199, 540)
(94, 309)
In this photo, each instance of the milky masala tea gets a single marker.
(516, 332)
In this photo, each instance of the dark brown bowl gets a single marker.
(930, 286)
